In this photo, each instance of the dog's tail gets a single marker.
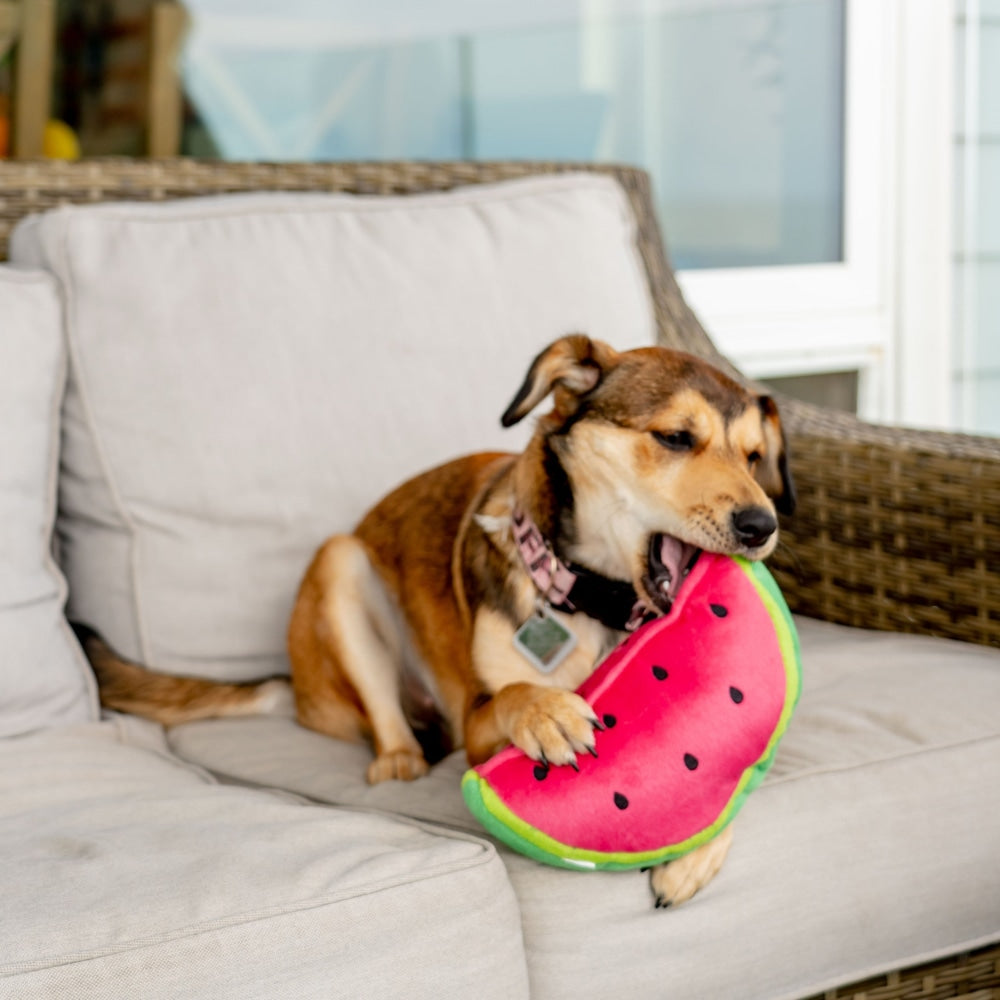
(170, 700)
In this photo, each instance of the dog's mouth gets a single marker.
(668, 562)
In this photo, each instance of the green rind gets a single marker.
(501, 823)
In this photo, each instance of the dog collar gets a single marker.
(571, 588)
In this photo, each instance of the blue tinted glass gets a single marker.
(735, 107)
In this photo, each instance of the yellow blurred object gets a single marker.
(60, 142)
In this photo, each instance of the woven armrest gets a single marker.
(896, 529)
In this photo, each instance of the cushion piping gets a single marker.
(99, 446)
(443, 870)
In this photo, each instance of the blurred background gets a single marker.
(827, 172)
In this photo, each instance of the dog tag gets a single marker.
(544, 641)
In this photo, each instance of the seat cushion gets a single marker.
(128, 873)
(871, 845)
(249, 373)
(44, 680)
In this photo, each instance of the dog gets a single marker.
(409, 633)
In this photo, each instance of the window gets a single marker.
(787, 140)
(977, 210)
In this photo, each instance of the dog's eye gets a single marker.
(675, 441)
(753, 458)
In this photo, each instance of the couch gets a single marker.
(194, 393)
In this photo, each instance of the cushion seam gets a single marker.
(889, 759)
(484, 857)
(89, 681)
(464, 195)
(103, 458)
(166, 755)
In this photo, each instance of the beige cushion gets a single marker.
(250, 373)
(128, 874)
(871, 845)
(43, 678)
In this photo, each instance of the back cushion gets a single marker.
(250, 373)
(43, 678)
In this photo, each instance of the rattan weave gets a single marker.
(896, 529)
(972, 976)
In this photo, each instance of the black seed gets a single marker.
(621, 801)
(659, 673)
(719, 610)
(610, 721)
(541, 772)
(690, 761)
(736, 694)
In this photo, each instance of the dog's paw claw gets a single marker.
(399, 765)
(555, 728)
(677, 881)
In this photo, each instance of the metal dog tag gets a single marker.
(544, 641)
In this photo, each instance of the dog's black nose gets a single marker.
(754, 526)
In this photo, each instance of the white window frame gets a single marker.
(885, 310)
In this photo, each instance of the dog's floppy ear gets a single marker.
(570, 368)
(772, 472)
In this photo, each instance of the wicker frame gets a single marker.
(896, 529)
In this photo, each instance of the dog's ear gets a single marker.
(570, 368)
(772, 472)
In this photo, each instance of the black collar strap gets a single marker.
(571, 588)
(613, 603)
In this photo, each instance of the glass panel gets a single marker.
(834, 390)
(734, 106)
(977, 214)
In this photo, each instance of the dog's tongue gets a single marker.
(677, 557)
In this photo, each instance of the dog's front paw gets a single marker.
(554, 726)
(677, 881)
(402, 765)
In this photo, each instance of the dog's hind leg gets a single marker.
(347, 646)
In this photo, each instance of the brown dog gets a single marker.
(403, 632)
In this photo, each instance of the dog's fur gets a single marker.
(402, 633)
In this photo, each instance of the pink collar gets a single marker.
(555, 580)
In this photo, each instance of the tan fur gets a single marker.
(676, 883)
(404, 629)
(170, 700)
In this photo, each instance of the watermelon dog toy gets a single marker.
(693, 705)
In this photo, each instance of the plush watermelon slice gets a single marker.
(693, 704)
